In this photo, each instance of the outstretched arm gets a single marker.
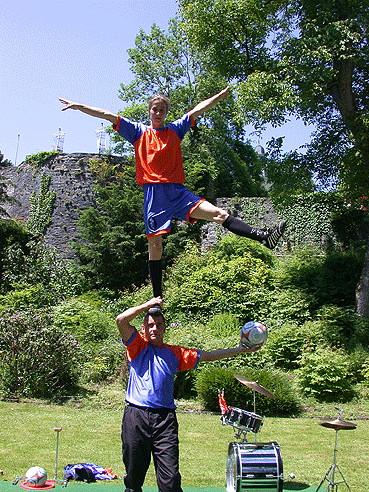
(209, 103)
(123, 320)
(224, 353)
(96, 112)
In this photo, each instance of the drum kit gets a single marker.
(252, 467)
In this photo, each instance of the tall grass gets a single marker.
(27, 438)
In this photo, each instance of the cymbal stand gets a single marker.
(330, 475)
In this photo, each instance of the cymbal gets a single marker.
(338, 424)
(254, 385)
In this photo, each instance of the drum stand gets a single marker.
(253, 390)
(330, 475)
(238, 432)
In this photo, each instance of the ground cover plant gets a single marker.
(92, 434)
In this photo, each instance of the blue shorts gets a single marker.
(165, 201)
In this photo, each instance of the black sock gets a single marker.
(240, 228)
(156, 274)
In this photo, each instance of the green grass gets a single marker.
(27, 438)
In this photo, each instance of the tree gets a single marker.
(113, 252)
(217, 160)
(303, 58)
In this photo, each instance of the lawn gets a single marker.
(27, 438)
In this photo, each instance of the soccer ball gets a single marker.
(253, 334)
(36, 476)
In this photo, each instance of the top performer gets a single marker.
(159, 169)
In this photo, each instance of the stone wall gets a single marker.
(256, 211)
(72, 181)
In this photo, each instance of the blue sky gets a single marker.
(76, 50)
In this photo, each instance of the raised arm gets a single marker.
(209, 103)
(123, 320)
(224, 353)
(96, 112)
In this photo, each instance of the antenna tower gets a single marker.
(101, 136)
(59, 140)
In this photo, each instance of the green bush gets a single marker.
(208, 285)
(38, 264)
(286, 343)
(290, 305)
(212, 380)
(232, 246)
(107, 362)
(323, 278)
(23, 296)
(36, 359)
(223, 325)
(326, 374)
(342, 326)
(365, 372)
(357, 359)
(94, 327)
(83, 317)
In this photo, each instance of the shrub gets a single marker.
(325, 374)
(37, 360)
(211, 286)
(40, 265)
(97, 335)
(290, 305)
(223, 325)
(365, 372)
(83, 317)
(23, 296)
(232, 246)
(107, 361)
(342, 326)
(357, 359)
(324, 279)
(286, 343)
(212, 380)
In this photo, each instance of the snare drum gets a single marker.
(242, 419)
(252, 467)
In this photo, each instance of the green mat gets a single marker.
(102, 486)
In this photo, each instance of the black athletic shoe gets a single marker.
(156, 309)
(275, 235)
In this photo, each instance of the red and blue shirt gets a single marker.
(152, 371)
(157, 152)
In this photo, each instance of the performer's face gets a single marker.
(157, 113)
(154, 329)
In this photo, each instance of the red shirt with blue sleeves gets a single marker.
(157, 152)
(152, 371)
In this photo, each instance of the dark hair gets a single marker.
(162, 98)
(154, 315)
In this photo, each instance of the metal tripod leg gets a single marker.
(329, 476)
(332, 485)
